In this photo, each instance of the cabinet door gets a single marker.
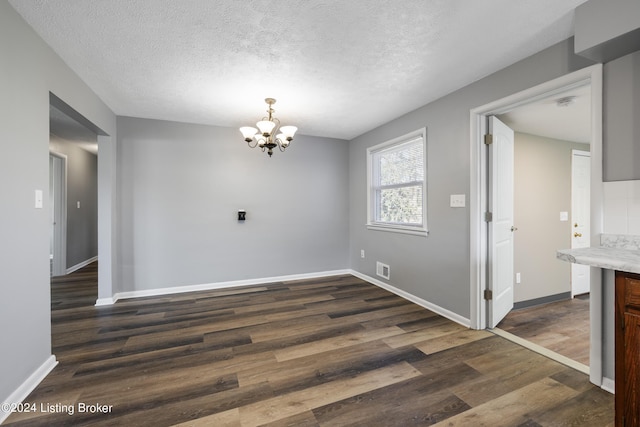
(632, 367)
(627, 368)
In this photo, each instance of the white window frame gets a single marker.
(420, 229)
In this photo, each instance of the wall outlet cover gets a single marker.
(457, 201)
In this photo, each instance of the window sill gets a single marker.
(399, 229)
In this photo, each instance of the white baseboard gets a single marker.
(414, 299)
(29, 385)
(82, 264)
(105, 301)
(266, 280)
(608, 385)
(214, 286)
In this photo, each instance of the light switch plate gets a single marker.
(564, 216)
(39, 199)
(458, 201)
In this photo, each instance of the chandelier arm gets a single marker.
(254, 145)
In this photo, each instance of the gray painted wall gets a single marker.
(82, 186)
(181, 186)
(436, 268)
(542, 181)
(29, 71)
(606, 30)
(621, 130)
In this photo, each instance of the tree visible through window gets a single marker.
(397, 196)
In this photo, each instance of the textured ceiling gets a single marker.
(337, 68)
(545, 118)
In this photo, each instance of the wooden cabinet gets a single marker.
(627, 349)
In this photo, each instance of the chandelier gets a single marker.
(269, 126)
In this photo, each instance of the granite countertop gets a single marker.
(617, 252)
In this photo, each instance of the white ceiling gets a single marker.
(545, 118)
(337, 68)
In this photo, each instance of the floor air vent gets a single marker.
(382, 270)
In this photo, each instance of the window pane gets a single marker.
(397, 188)
(402, 165)
(400, 205)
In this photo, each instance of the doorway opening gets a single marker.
(551, 203)
(73, 194)
(482, 310)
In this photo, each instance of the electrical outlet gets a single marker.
(361, 253)
(518, 278)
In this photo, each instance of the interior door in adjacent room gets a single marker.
(580, 217)
(501, 224)
(58, 218)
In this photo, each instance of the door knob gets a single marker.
(514, 228)
(577, 234)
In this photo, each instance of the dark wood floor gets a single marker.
(562, 327)
(327, 352)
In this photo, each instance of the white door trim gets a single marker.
(478, 196)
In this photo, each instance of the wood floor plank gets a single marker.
(437, 329)
(453, 340)
(410, 402)
(303, 372)
(282, 329)
(561, 326)
(514, 408)
(305, 419)
(334, 343)
(296, 302)
(587, 409)
(230, 418)
(333, 351)
(506, 378)
(298, 402)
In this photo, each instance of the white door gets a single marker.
(580, 217)
(57, 199)
(501, 227)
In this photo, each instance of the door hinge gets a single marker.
(488, 216)
(488, 294)
(488, 139)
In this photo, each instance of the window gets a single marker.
(397, 185)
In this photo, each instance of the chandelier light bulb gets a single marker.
(266, 126)
(288, 132)
(248, 132)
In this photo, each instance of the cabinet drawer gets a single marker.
(632, 293)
